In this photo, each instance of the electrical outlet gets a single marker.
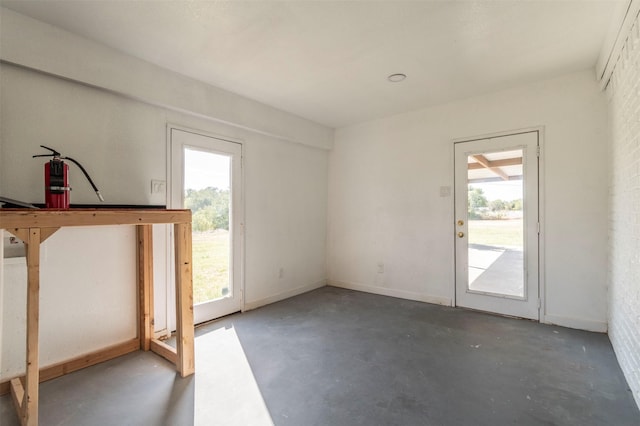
(158, 186)
(281, 273)
(380, 268)
(445, 191)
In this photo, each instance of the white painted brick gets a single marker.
(624, 214)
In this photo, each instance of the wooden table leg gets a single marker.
(145, 285)
(184, 300)
(30, 399)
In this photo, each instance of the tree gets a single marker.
(516, 204)
(210, 208)
(497, 205)
(475, 200)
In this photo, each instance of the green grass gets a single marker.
(211, 253)
(210, 265)
(496, 232)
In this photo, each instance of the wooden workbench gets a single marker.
(34, 226)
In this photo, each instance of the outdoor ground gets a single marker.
(496, 256)
(210, 264)
(502, 233)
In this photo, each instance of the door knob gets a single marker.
(460, 234)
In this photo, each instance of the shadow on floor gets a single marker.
(338, 357)
(136, 389)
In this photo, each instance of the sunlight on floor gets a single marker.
(480, 260)
(226, 391)
(496, 270)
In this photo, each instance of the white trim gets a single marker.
(384, 291)
(283, 295)
(452, 181)
(169, 201)
(542, 282)
(170, 320)
(243, 228)
(497, 134)
(577, 323)
(171, 125)
(540, 129)
(609, 56)
(168, 229)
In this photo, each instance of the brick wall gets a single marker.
(624, 214)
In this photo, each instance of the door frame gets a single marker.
(170, 267)
(542, 288)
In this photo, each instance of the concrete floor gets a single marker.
(338, 357)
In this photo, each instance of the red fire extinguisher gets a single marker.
(56, 180)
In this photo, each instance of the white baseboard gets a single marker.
(384, 291)
(577, 323)
(284, 295)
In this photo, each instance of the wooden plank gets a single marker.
(497, 163)
(21, 233)
(17, 395)
(145, 284)
(87, 360)
(184, 300)
(494, 179)
(486, 163)
(35, 226)
(29, 218)
(167, 352)
(32, 381)
(46, 233)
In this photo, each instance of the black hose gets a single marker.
(93, 185)
(55, 154)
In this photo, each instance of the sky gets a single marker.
(505, 190)
(203, 169)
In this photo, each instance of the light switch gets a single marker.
(158, 186)
(445, 191)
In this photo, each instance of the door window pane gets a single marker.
(495, 223)
(207, 193)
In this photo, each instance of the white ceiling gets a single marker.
(328, 61)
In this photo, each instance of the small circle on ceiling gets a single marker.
(396, 78)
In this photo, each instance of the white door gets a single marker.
(206, 177)
(496, 229)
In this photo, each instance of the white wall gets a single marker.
(33, 44)
(89, 304)
(624, 213)
(385, 205)
(121, 139)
